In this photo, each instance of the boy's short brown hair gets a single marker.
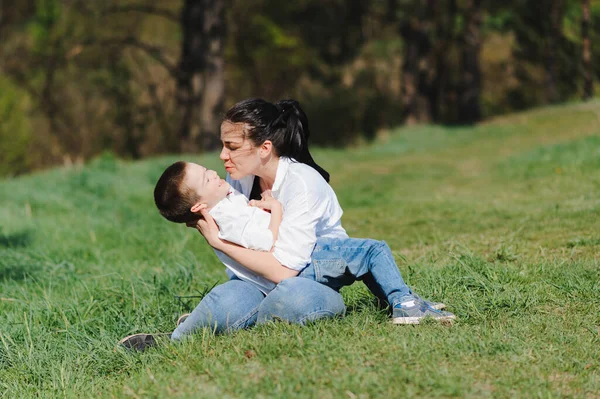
(173, 197)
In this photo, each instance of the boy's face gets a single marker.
(206, 183)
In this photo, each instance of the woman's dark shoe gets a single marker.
(140, 342)
(182, 318)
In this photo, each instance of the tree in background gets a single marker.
(417, 68)
(200, 77)
(441, 74)
(469, 105)
(143, 77)
(547, 56)
(588, 88)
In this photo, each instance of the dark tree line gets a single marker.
(142, 77)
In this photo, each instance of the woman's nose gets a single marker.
(224, 155)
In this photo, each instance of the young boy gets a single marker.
(184, 189)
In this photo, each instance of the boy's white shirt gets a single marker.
(243, 225)
(311, 211)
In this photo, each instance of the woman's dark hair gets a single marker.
(285, 124)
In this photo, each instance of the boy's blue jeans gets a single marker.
(335, 263)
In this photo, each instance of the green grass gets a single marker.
(500, 221)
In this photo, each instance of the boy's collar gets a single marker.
(220, 203)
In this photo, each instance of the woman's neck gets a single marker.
(267, 173)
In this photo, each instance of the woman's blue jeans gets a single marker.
(238, 304)
(312, 295)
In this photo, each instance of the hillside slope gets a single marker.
(499, 221)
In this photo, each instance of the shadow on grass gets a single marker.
(16, 240)
(583, 242)
(16, 264)
(16, 272)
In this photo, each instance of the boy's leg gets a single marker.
(227, 307)
(372, 285)
(340, 262)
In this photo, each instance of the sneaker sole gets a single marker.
(417, 320)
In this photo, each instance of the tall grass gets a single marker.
(499, 221)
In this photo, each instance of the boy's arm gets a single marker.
(276, 218)
(268, 202)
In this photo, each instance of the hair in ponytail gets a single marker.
(285, 124)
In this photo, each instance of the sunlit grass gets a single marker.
(499, 221)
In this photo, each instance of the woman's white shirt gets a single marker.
(310, 210)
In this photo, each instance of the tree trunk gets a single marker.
(551, 61)
(391, 11)
(588, 88)
(214, 74)
(416, 65)
(470, 80)
(442, 96)
(200, 84)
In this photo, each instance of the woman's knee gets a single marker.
(229, 306)
(299, 300)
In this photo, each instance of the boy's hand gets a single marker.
(267, 202)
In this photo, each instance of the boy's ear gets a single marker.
(197, 207)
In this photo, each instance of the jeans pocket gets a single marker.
(331, 272)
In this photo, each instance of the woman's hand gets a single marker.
(207, 226)
(267, 202)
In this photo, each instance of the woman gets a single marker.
(265, 147)
(261, 144)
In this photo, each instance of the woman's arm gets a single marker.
(262, 263)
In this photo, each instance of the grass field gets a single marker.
(500, 221)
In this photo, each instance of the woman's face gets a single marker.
(240, 157)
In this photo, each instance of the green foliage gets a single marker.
(85, 259)
(98, 79)
(15, 130)
(41, 28)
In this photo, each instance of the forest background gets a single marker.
(146, 77)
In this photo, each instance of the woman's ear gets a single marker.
(197, 207)
(266, 148)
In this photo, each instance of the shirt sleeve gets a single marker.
(248, 228)
(298, 231)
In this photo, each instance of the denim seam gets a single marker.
(387, 255)
(317, 270)
(243, 320)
